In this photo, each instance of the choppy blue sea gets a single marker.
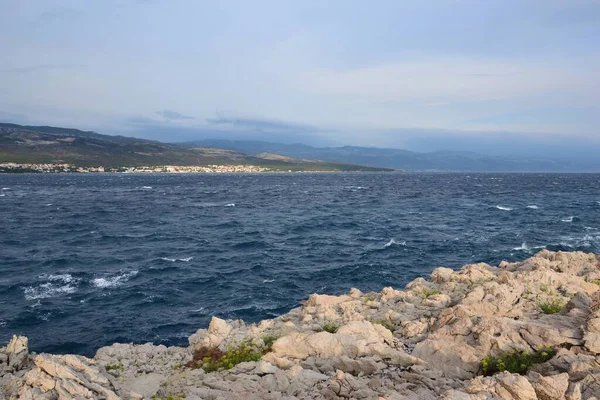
(88, 260)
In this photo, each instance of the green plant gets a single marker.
(386, 323)
(114, 368)
(426, 292)
(552, 306)
(596, 281)
(268, 340)
(213, 359)
(544, 288)
(368, 297)
(330, 327)
(515, 361)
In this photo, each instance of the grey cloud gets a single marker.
(259, 124)
(172, 115)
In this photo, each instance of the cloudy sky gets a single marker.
(495, 76)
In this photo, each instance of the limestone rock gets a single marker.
(424, 342)
(17, 352)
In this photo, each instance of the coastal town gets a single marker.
(169, 169)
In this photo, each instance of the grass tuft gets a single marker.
(268, 340)
(426, 292)
(330, 327)
(386, 323)
(515, 361)
(552, 306)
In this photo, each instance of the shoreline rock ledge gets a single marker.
(427, 341)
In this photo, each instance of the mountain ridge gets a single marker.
(54, 145)
(449, 160)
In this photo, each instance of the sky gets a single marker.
(494, 76)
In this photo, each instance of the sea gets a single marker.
(87, 260)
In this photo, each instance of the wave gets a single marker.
(569, 219)
(230, 205)
(113, 281)
(5, 188)
(187, 259)
(66, 278)
(146, 187)
(504, 208)
(2, 195)
(393, 242)
(533, 206)
(268, 280)
(57, 285)
(356, 188)
(523, 247)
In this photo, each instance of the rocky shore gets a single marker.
(436, 339)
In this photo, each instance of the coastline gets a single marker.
(427, 341)
(15, 168)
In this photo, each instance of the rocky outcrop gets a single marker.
(424, 342)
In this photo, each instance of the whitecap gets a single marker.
(268, 280)
(48, 205)
(5, 188)
(187, 259)
(47, 290)
(230, 205)
(36, 304)
(2, 195)
(504, 208)
(523, 247)
(393, 242)
(198, 310)
(533, 206)
(146, 187)
(114, 280)
(66, 278)
(569, 219)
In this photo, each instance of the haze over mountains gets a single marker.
(42, 144)
(403, 159)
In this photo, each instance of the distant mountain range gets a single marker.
(43, 144)
(402, 159)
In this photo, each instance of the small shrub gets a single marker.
(386, 323)
(426, 292)
(515, 361)
(114, 368)
(213, 359)
(552, 306)
(330, 327)
(596, 281)
(368, 297)
(268, 340)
